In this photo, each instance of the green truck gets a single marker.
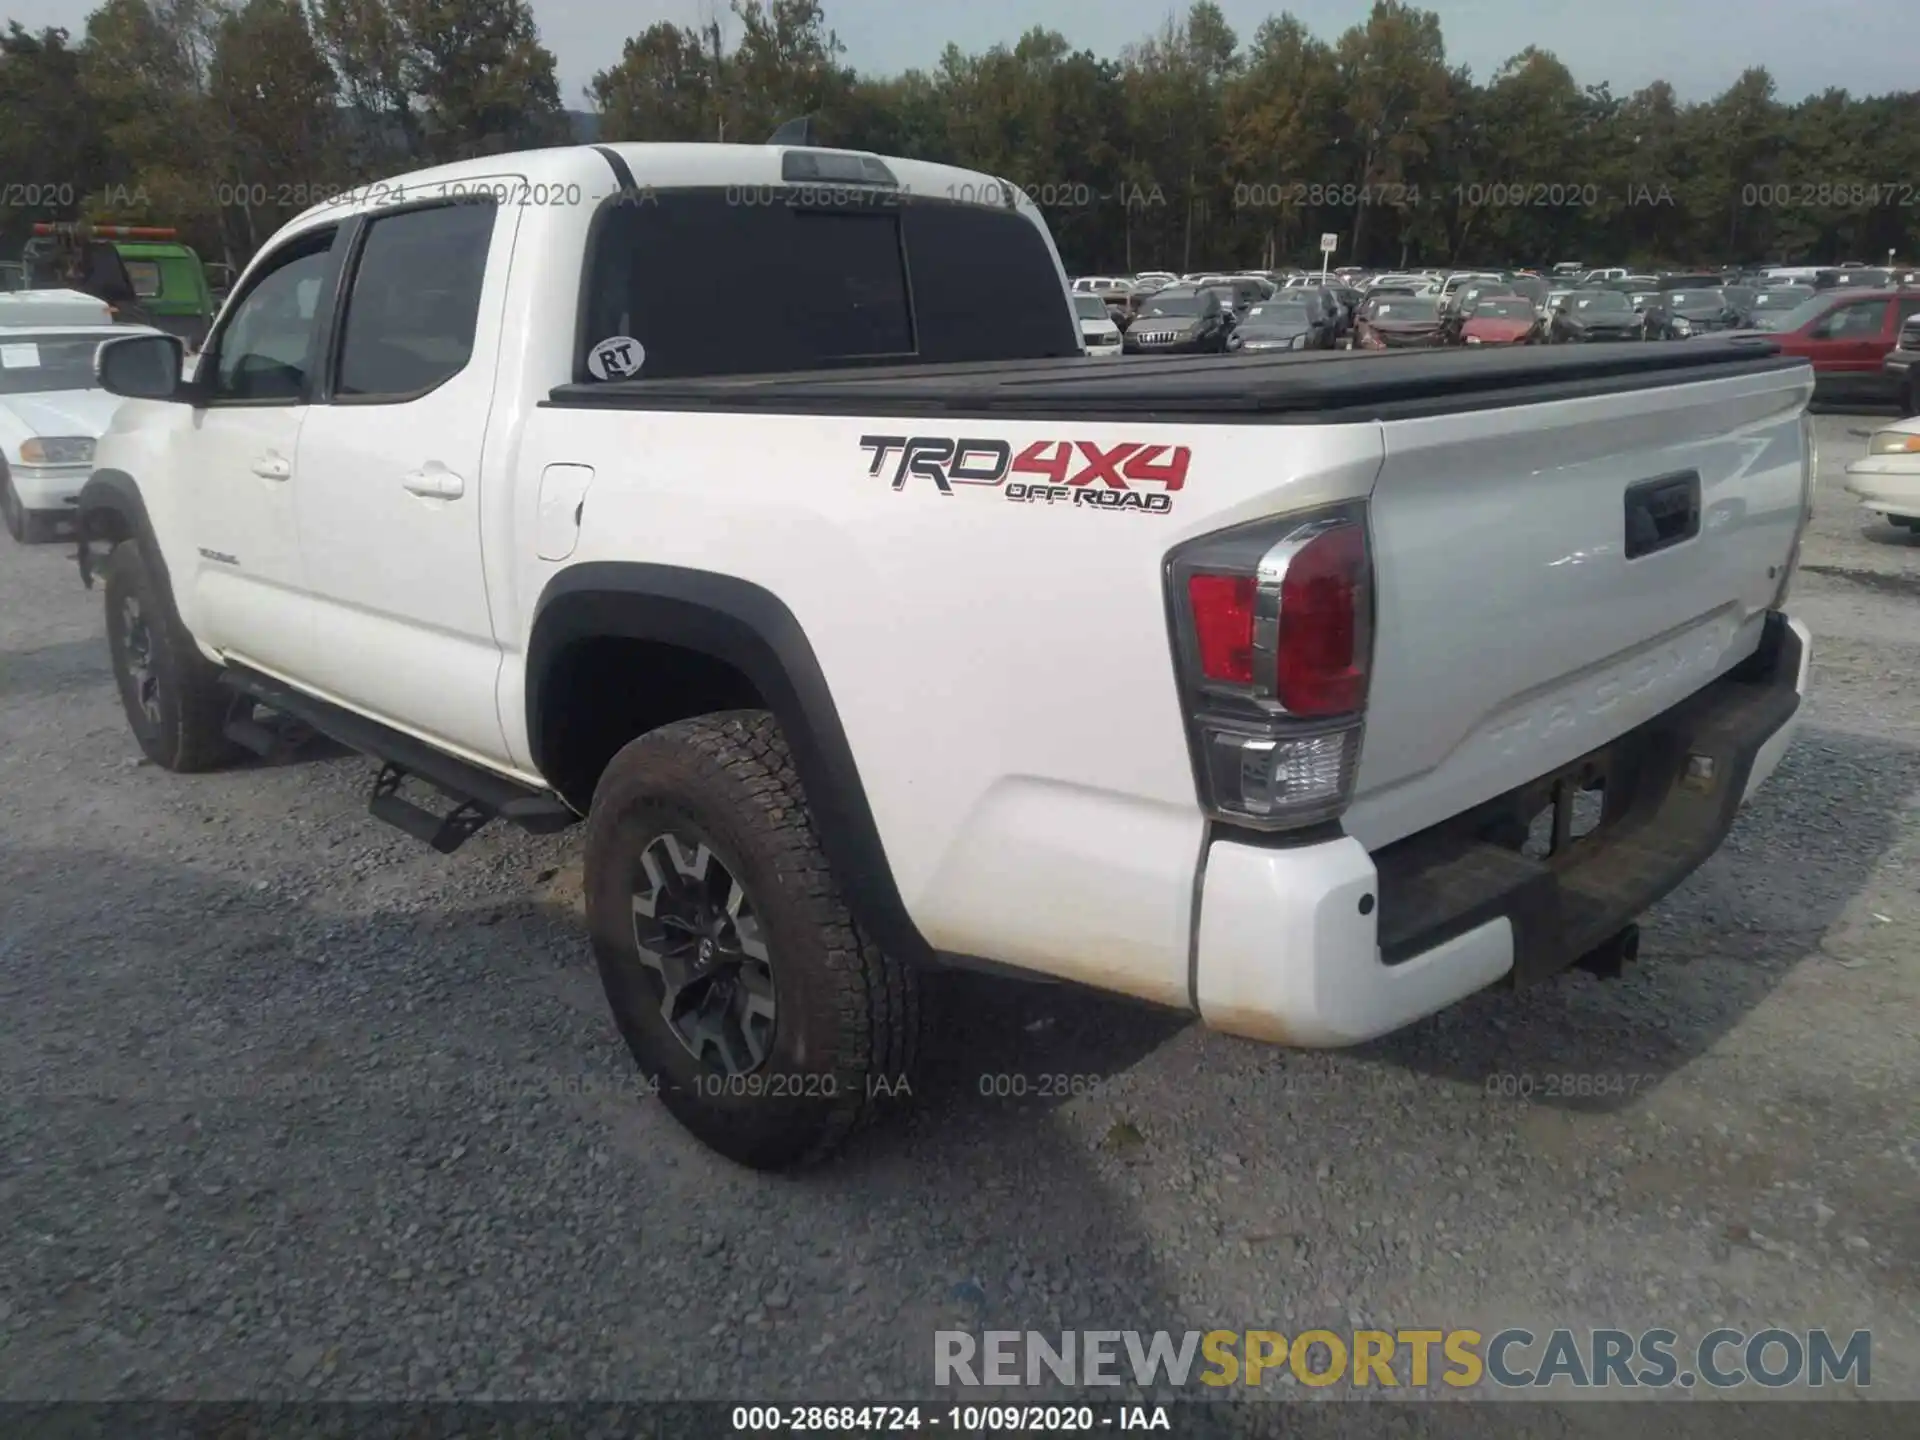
(144, 270)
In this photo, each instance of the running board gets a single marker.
(479, 795)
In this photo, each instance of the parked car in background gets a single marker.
(1179, 320)
(1397, 322)
(1349, 302)
(1329, 306)
(1640, 300)
(1690, 280)
(1903, 365)
(1238, 293)
(1453, 285)
(1774, 299)
(1097, 330)
(1500, 320)
(1590, 315)
(1682, 314)
(1469, 295)
(1847, 336)
(1863, 278)
(1533, 287)
(1886, 479)
(52, 408)
(1286, 322)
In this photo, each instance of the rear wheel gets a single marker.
(171, 693)
(773, 1027)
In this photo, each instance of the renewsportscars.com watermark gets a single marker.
(1405, 1359)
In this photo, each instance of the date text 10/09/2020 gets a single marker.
(961, 1419)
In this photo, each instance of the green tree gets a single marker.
(483, 81)
(275, 96)
(1395, 99)
(53, 148)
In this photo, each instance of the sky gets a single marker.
(1700, 46)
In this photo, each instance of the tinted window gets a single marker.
(1205, 303)
(830, 287)
(264, 349)
(1861, 320)
(1090, 307)
(415, 299)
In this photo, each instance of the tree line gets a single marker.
(1194, 147)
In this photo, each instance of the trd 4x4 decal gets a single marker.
(1082, 473)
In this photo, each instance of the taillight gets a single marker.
(1324, 621)
(1222, 608)
(1273, 623)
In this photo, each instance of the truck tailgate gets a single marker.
(1550, 576)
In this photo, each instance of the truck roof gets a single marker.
(659, 165)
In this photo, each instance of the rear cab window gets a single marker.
(901, 279)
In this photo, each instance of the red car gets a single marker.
(1847, 336)
(1500, 320)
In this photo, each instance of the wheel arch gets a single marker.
(111, 510)
(721, 626)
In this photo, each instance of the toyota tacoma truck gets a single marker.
(1306, 694)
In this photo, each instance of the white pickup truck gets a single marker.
(872, 628)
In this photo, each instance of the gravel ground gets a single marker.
(292, 1107)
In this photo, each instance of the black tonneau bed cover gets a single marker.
(1324, 388)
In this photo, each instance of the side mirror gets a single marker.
(142, 367)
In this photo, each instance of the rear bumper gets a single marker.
(1326, 945)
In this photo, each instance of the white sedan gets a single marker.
(51, 412)
(1887, 478)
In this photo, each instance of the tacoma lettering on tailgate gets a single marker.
(1081, 473)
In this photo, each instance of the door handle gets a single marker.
(272, 467)
(434, 484)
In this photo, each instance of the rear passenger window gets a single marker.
(415, 301)
(916, 280)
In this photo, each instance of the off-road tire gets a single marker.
(846, 1030)
(180, 724)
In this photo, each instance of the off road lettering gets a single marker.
(1080, 472)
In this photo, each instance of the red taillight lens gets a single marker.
(1223, 625)
(1324, 637)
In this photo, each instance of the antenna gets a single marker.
(798, 131)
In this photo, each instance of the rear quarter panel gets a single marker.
(1001, 667)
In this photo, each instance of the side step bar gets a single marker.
(478, 795)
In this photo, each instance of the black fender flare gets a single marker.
(111, 509)
(751, 629)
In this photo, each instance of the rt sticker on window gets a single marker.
(616, 358)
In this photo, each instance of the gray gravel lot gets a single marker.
(291, 1106)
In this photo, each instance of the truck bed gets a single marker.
(1323, 388)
